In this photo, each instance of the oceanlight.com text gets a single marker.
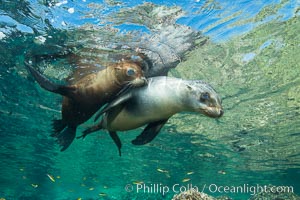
(207, 188)
(247, 189)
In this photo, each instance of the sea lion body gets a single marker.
(86, 96)
(95, 90)
(160, 100)
(155, 103)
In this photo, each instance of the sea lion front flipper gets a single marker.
(66, 137)
(114, 103)
(49, 85)
(124, 90)
(149, 133)
(116, 139)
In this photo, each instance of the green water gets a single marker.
(257, 141)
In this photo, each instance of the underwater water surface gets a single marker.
(247, 50)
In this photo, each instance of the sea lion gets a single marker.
(85, 97)
(154, 104)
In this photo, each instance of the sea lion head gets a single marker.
(204, 99)
(129, 72)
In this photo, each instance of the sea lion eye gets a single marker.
(204, 96)
(130, 72)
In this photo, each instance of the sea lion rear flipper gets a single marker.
(47, 84)
(66, 137)
(116, 139)
(114, 103)
(149, 133)
(90, 130)
(58, 125)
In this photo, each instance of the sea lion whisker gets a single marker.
(218, 121)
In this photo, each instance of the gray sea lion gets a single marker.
(154, 104)
(86, 96)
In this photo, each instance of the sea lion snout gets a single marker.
(205, 99)
(212, 107)
(213, 112)
(140, 81)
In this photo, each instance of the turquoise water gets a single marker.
(249, 51)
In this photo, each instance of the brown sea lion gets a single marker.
(87, 95)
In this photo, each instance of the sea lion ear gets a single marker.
(189, 87)
(118, 67)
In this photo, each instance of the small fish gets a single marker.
(58, 177)
(79, 198)
(105, 187)
(21, 169)
(51, 177)
(91, 188)
(186, 180)
(189, 173)
(102, 194)
(138, 182)
(161, 170)
(34, 185)
(221, 172)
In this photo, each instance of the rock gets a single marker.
(281, 194)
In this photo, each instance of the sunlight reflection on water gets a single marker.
(248, 52)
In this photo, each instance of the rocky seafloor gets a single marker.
(195, 195)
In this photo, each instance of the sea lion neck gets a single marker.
(171, 93)
(112, 74)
